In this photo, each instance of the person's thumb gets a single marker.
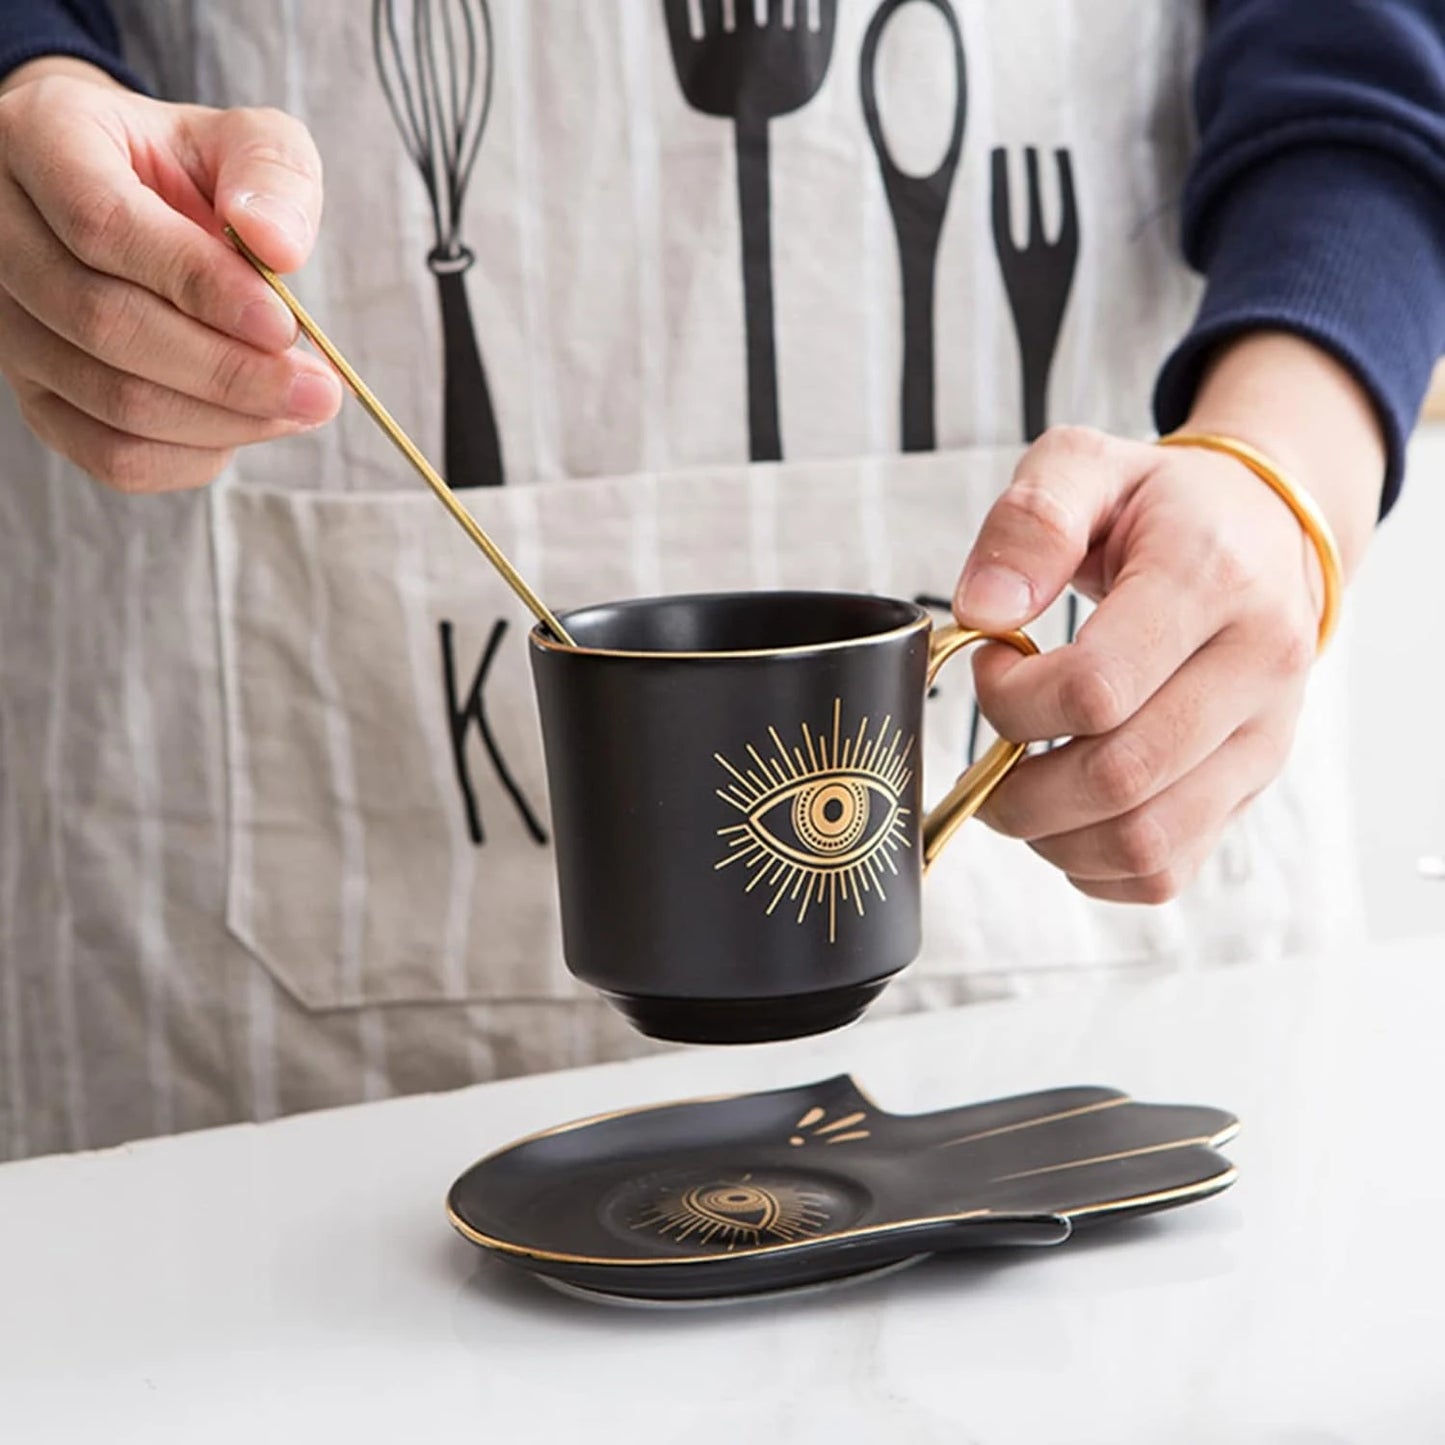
(266, 181)
(1064, 492)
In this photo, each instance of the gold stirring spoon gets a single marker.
(404, 444)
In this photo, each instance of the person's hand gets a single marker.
(138, 342)
(1182, 690)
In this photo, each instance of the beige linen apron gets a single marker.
(273, 818)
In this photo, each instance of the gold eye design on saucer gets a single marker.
(734, 1212)
(821, 822)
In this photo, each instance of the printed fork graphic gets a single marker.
(750, 69)
(1037, 276)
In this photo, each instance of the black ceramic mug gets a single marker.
(736, 803)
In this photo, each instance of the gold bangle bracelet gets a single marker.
(1305, 508)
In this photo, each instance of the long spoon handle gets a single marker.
(404, 444)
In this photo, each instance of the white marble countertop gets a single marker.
(297, 1281)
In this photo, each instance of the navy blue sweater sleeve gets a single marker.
(82, 28)
(1316, 202)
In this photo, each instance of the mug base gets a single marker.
(746, 1020)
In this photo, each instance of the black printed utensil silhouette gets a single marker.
(1038, 278)
(752, 74)
(917, 204)
(437, 75)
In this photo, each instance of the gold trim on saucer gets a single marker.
(588, 1120)
(1161, 1196)
(1165, 1148)
(1093, 1108)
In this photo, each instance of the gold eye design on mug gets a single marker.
(821, 822)
(733, 1212)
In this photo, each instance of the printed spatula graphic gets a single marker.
(750, 63)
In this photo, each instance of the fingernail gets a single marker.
(266, 323)
(285, 216)
(314, 396)
(995, 596)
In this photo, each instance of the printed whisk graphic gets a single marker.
(436, 66)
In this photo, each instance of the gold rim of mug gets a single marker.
(922, 622)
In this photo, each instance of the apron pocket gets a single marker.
(389, 839)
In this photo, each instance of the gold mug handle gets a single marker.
(973, 788)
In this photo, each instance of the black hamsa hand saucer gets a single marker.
(769, 1191)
